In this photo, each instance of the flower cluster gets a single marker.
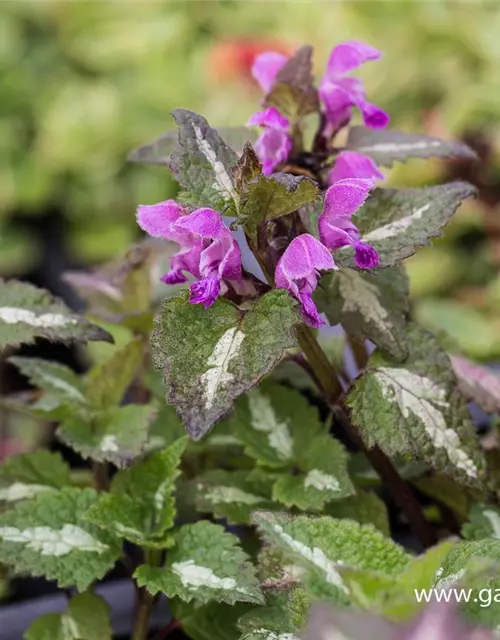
(338, 91)
(209, 252)
(351, 180)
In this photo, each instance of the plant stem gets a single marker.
(146, 601)
(143, 613)
(325, 374)
(100, 475)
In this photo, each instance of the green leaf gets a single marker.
(466, 557)
(323, 476)
(445, 490)
(203, 164)
(230, 495)
(159, 151)
(49, 536)
(269, 197)
(270, 421)
(166, 428)
(293, 92)
(272, 622)
(478, 383)
(396, 222)
(141, 507)
(62, 383)
(322, 545)
(26, 475)
(209, 621)
(105, 384)
(118, 434)
(365, 507)
(484, 522)
(87, 618)
(394, 596)
(419, 574)
(387, 146)
(415, 409)
(212, 356)
(369, 305)
(27, 312)
(206, 564)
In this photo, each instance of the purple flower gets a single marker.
(274, 144)
(340, 93)
(297, 270)
(266, 67)
(350, 164)
(336, 228)
(208, 250)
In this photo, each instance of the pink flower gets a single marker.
(350, 164)
(340, 93)
(208, 250)
(337, 90)
(274, 144)
(336, 229)
(266, 67)
(297, 270)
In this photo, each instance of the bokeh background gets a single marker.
(82, 83)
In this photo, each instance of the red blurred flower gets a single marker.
(231, 59)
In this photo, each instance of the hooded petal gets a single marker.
(157, 220)
(270, 118)
(297, 271)
(203, 224)
(304, 256)
(266, 67)
(350, 55)
(345, 197)
(273, 148)
(350, 164)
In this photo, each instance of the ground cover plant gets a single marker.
(300, 469)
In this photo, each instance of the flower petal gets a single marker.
(205, 291)
(373, 116)
(271, 118)
(311, 315)
(222, 256)
(365, 256)
(350, 164)
(273, 148)
(297, 271)
(336, 232)
(350, 55)
(157, 219)
(266, 67)
(346, 196)
(187, 260)
(203, 223)
(304, 256)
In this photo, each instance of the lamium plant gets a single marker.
(301, 478)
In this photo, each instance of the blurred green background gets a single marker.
(82, 83)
